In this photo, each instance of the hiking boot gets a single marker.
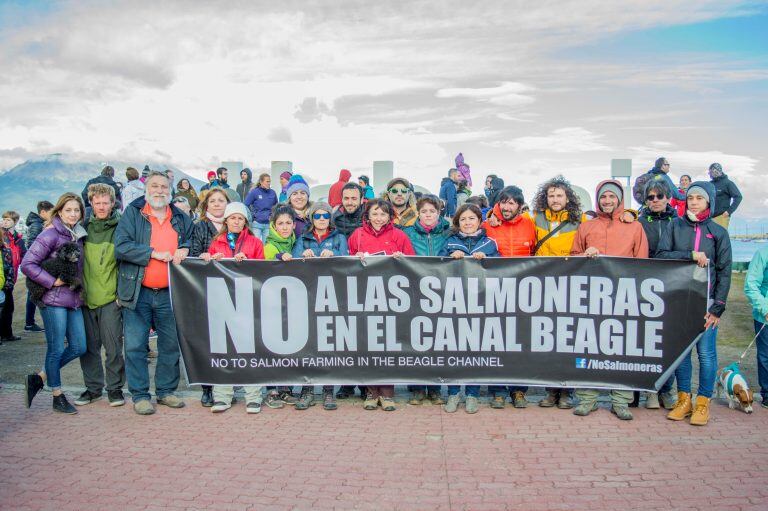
(273, 399)
(585, 408)
(550, 400)
(682, 409)
(87, 398)
(34, 327)
(652, 401)
(417, 396)
(206, 399)
(622, 412)
(171, 401)
(453, 403)
(370, 403)
(306, 399)
(498, 402)
(329, 403)
(60, 404)
(635, 399)
(253, 407)
(388, 404)
(518, 399)
(435, 397)
(143, 407)
(668, 400)
(288, 398)
(33, 384)
(471, 404)
(566, 400)
(115, 397)
(220, 407)
(345, 392)
(700, 415)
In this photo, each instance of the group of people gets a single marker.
(126, 256)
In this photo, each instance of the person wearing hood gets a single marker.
(448, 189)
(334, 194)
(246, 184)
(493, 185)
(101, 314)
(260, 201)
(608, 235)
(133, 189)
(365, 185)
(728, 197)
(185, 189)
(62, 315)
(107, 177)
(463, 169)
(298, 193)
(35, 223)
(14, 242)
(399, 194)
(696, 237)
(285, 178)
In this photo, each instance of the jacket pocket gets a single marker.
(126, 283)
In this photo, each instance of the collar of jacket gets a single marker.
(669, 212)
(441, 226)
(497, 212)
(560, 216)
(367, 227)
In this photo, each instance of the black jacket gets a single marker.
(202, 235)
(107, 181)
(347, 223)
(728, 196)
(654, 225)
(684, 237)
(34, 227)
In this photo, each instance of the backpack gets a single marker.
(638, 190)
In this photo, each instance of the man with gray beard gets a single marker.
(151, 233)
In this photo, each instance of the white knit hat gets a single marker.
(237, 207)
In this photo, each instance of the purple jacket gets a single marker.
(260, 202)
(45, 247)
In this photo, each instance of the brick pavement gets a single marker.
(415, 458)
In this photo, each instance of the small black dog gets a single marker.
(64, 267)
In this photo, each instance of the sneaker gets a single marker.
(273, 400)
(116, 397)
(550, 400)
(306, 400)
(33, 384)
(585, 408)
(253, 407)
(622, 412)
(518, 399)
(453, 403)
(206, 399)
(652, 401)
(388, 404)
(498, 402)
(370, 403)
(417, 396)
(329, 403)
(345, 392)
(435, 397)
(171, 401)
(143, 407)
(668, 400)
(60, 404)
(34, 327)
(87, 398)
(471, 404)
(288, 398)
(220, 407)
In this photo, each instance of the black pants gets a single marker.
(6, 316)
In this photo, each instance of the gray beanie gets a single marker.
(611, 187)
(697, 189)
(320, 206)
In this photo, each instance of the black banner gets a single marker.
(570, 322)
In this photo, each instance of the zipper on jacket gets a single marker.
(697, 239)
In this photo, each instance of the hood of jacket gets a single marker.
(249, 174)
(711, 190)
(669, 212)
(497, 213)
(96, 225)
(442, 226)
(445, 181)
(280, 243)
(616, 212)
(344, 175)
(33, 218)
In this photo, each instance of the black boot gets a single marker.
(33, 384)
(60, 404)
(207, 398)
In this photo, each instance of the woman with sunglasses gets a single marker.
(319, 239)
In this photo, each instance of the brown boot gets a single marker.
(700, 415)
(550, 400)
(682, 409)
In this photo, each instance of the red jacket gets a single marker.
(334, 194)
(246, 243)
(516, 237)
(679, 205)
(388, 240)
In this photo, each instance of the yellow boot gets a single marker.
(682, 409)
(700, 415)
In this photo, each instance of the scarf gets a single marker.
(476, 233)
(217, 222)
(428, 228)
(232, 240)
(697, 218)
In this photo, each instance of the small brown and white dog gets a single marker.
(734, 387)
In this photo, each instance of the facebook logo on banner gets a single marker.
(581, 363)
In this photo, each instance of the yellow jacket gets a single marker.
(561, 242)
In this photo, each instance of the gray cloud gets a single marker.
(281, 135)
(311, 110)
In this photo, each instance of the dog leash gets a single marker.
(751, 343)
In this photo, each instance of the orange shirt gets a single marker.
(164, 238)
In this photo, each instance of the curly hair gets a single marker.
(574, 204)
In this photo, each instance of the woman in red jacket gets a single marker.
(235, 241)
(379, 236)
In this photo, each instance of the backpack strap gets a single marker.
(549, 235)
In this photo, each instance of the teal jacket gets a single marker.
(428, 244)
(756, 284)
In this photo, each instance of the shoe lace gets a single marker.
(700, 409)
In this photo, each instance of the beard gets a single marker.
(157, 201)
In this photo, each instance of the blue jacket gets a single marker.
(428, 244)
(448, 195)
(756, 284)
(336, 242)
(260, 202)
(470, 244)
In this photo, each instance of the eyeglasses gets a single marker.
(654, 197)
(324, 216)
(401, 191)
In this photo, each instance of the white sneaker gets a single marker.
(652, 401)
(253, 407)
(220, 406)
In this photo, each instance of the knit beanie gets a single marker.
(698, 190)
(611, 187)
(286, 175)
(715, 170)
(296, 184)
(145, 171)
(320, 206)
(237, 208)
(211, 175)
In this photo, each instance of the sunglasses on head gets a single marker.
(654, 197)
(318, 216)
(402, 191)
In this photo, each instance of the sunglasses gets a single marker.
(654, 197)
(325, 216)
(401, 191)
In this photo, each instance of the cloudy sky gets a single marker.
(524, 89)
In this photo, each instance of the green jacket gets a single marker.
(756, 285)
(100, 265)
(276, 244)
(428, 244)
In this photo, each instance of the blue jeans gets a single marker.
(424, 388)
(261, 231)
(30, 317)
(153, 308)
(469, 390)
(762, 359)
(61, 323)
(706, 348)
